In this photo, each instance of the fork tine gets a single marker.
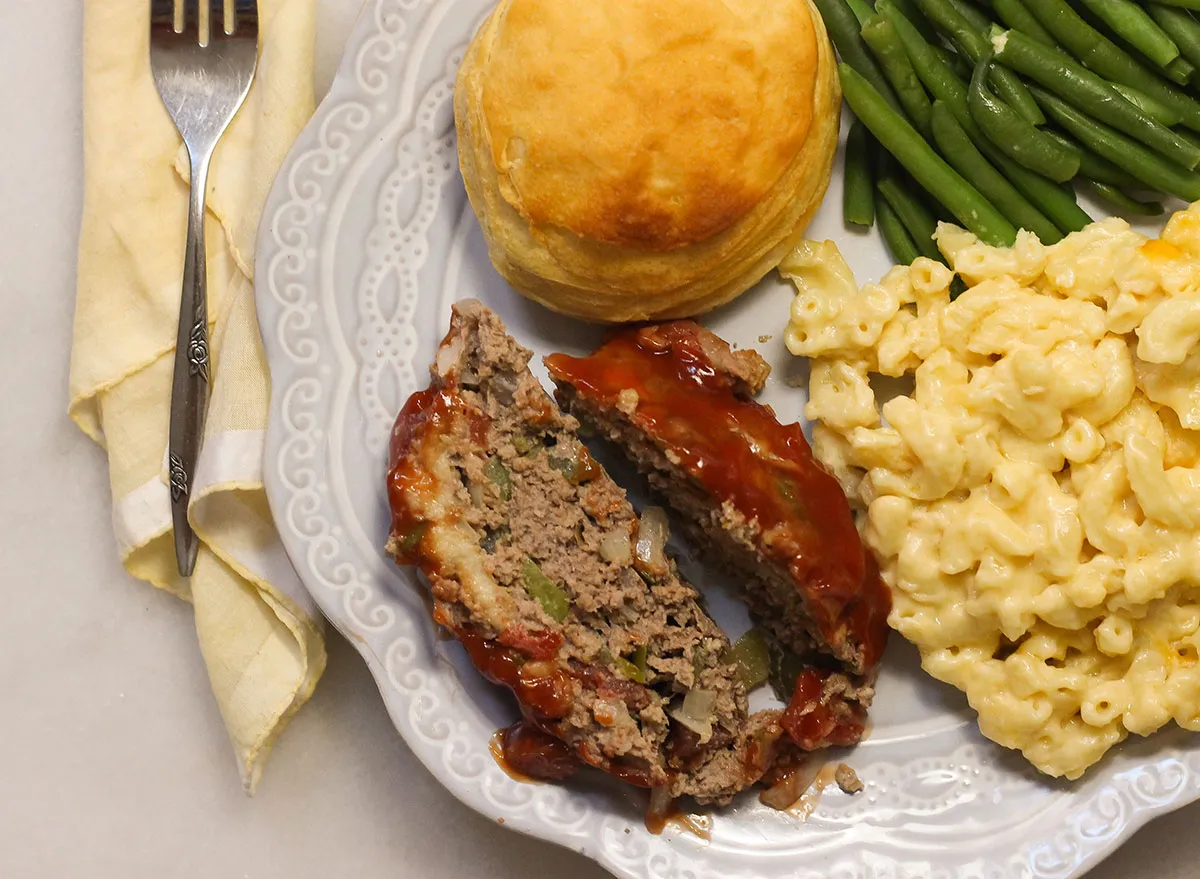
(214, 16)
(204, 21)
(162, 13)
(247, 14)
(196, 14)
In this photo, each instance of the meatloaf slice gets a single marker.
(680, 404)
(538, 564)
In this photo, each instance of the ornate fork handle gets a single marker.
(203, 67)
(189, 390)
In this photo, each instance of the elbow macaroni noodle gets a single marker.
(1034, 499)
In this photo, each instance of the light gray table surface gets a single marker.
(113, 761)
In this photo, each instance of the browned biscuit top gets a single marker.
(645, 124)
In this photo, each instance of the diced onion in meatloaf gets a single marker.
(539, 565)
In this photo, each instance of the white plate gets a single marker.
(366, 240)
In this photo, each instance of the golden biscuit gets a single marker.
(639, 159)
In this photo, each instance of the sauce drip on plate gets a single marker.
(527, 754)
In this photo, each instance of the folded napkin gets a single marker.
(259, 632)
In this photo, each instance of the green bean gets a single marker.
(930, 171)
(944, 84)
(1190, 137)
(862, 10)
(1182, 4)
(908, 8)
(1080, 87)
(958, 62)
(1179, 71)
(1056, 202)
(1094, 167)
(1142, 163)
(1152, 107)
(880, 37)
(1107, 59)
(950, 58)
(916, 217)
(1180, 26)
(974, 45)
(1018, 139)
(973, 15)
(1015, 16)
(843, 30)
(931, 65)
(899, 242)
(954, 143)
(1134, 25)
(858, 194)
(1126, 204)
(886, 165)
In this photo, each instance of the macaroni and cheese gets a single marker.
(1034, 499)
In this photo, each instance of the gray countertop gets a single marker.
(113, 761)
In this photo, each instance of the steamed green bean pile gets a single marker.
(992, 113)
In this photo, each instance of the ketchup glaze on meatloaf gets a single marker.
(679, 403)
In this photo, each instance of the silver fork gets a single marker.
(203, 54)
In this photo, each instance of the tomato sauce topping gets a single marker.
(536, 644)
(437, 410)
(737, 450)
(813, 722)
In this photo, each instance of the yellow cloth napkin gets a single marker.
(259, 632)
